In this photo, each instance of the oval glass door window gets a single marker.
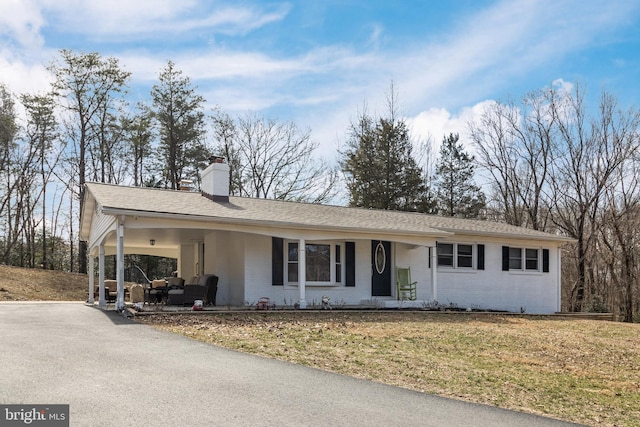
(381, 258)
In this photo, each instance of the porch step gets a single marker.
(385, 302)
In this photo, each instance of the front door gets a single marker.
(380, 268)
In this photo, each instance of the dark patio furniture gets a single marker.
(199, 288)
(175, 289)
(111, 290)
(156, 292)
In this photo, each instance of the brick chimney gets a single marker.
(215, 180)
(186, 184)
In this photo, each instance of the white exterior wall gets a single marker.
(492, 288)
(417, 258)
(257, 275)
(243, 263)
(234, 245)
(186, 265)
(224, 257)
(257, 269)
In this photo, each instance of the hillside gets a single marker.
(26, 284)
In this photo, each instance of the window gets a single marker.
(323, 263)
(465, 256)
(292, 264)
(460, 255)
(318, 262)
(515, 259)
(445, 254)
(338, 265)
(531, 259)
(524, 259)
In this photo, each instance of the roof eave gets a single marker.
(519, 236)
(266, 223)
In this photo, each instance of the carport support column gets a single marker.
(120, 265)
(434, 273)
(92, 285)
(101, 299)
(559, 280)
(302, 272)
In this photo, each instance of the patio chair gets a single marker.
(110, 290)
(175, 291)
(199, 288)
(156, 291)
(406, 288)
(212, 289)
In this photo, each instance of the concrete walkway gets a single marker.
(115, 372)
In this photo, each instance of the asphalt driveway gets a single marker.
(114, 372)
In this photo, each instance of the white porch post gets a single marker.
(302, 272)
(120, 265)
(91, 278)
(434, 273)
(101, 297)
(559, 282)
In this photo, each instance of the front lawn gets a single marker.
(584, 371)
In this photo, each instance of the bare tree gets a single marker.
(557, 167)
(620, 238)
(589, 155)
(273, 159)
(88, 83)
(41, 132)
(9, 173)
(515, 144)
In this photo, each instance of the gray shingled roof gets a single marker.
(116, 199)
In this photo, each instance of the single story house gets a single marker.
(296, 253)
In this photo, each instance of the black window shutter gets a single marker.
(545, 260)
(429, 256)
(480, 257)
(505, 258)
(277, 261)
(350, 263)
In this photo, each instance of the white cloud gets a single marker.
(123, 19)
(20, 22)
(563, 86)
(376, 35)
(438, 123)
(436, 77)
(487, 51)
(23, 76)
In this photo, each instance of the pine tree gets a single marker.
(178, 111)
(456, 192)
(379, 166)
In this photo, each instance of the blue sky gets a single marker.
(317, 62)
